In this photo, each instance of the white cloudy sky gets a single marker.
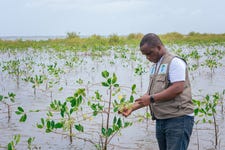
(104, 17)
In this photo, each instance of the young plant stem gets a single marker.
(9, 114)
(8, 107)
(71, 134)
(108, 115)
(71, 129)
(35, 92)
(17, 81)
(215, 130)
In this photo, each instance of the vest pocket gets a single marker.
(160, 83)
(166, 107)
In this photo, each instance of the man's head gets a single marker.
(152, 47)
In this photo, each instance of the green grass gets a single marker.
(74, 42)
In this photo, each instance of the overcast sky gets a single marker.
(104, 17)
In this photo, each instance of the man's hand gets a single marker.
(136, 105)
(126, 112)
(144, 100)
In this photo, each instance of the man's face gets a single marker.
(152, 53)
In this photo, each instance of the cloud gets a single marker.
(88, 5)
(54, 17)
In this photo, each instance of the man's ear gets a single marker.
(159, 47)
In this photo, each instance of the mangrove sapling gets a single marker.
(53, 77)
(23, 115)
(67, 110)
(195, 56)
(181, 54)
(206, 109)
(30, 140)
(13, 67)
(212, 61)
(36, 81)
(107, 132)
(3, 99)
(139, 70)
(15, 141)
(12, 144)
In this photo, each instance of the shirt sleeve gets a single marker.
(177, 70)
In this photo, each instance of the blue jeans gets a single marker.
(174, 133)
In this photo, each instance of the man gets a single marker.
(168, 96)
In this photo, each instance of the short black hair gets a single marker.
(151, 39)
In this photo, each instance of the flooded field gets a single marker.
(44, 83)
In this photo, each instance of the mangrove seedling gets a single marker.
(3, 99)
(65, 120)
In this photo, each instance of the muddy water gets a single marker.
(141, 135)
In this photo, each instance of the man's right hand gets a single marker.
(126, 112)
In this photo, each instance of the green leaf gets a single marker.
(1, 97)
(95, 113)
(30, 140)
(116, 85)
(34, 110)
(133, 88)
(204, 120)
(17, 138)
(210, 114)
(73, 102)
(48, 130)
(71, 110)
(49, 114)
(105, 84)
(103, 131)
(23, 118)
(196, 111)
(61, 88)
(97, 95)
(43, 121)
(39, 126)
(79, 127)
(52, 124)
(10, 146)
(79, 101)
(62, 112)
(69, 99)
(109, 81)
(58, 125)
(126, 124)
(20, 109)
(114, 78)
(115, 109)
(114, 120)
(109, 132)
(105, 74)
(119, 123)
(48, 124)
(131, 99)
(18, 112)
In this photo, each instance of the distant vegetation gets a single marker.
(75, 42)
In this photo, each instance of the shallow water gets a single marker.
(141, 135)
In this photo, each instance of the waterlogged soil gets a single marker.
(141, 135)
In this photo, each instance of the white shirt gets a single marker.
(177, 70)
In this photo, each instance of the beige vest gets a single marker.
(181, 104)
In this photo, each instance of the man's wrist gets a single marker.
(152, 100)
